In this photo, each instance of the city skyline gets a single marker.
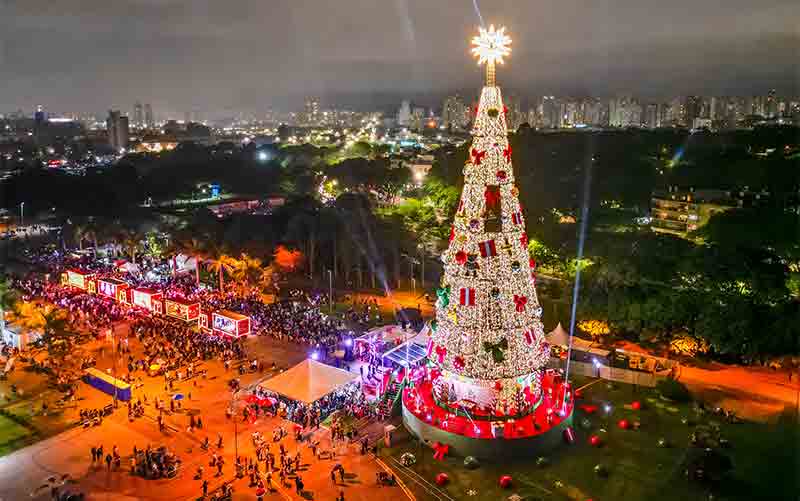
(218, 58)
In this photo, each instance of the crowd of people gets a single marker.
(179, 349)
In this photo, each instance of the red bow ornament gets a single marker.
(477, 156)
(520, 302)
(507, 153)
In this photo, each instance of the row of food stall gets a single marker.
(218, 322)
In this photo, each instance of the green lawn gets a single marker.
(12, 435)
(765, 458)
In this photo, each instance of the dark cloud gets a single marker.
(217, 55)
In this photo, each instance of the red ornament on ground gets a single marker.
(595, 441)
(624, 424)
(442, 479)
(636, 405)
(505, 481)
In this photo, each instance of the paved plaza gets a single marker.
(28, 472)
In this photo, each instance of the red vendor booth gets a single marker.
(182, 309)
(230, 323)
(148, 299)
(113, 288)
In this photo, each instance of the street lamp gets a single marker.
(330, 290)
(22, 213)
(421, 249)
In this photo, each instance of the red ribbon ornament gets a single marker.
(441, 351)
(477, 156)
(520, 302)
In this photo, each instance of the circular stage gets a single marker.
(489, 436)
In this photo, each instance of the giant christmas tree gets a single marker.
(488, 344)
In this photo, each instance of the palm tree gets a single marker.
(79, 233)
(221, 263)
(8, 300)
(131, 240)
(249, 271)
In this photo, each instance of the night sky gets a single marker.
(223, 55)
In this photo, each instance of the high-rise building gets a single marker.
(138, 115)
(417, 118)
(311, 113)
(514, 116)
(455, 113)
(149, 120)
(404, 114)
(693, 109)
(771, 105)
(652, 117)
(593, 112)
(624, 112)
(117, 127)
(550, 113)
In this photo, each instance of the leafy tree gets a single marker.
(8, 300)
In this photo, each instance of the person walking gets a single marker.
(205, 488)
(333, 476)
(94, 454)
(108, 461)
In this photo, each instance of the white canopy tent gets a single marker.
(181, 263)
(560, 337)
(309, 381)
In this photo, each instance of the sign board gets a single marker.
(184, 310)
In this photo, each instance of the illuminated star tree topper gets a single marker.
(491, 46)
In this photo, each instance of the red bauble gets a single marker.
(624, 424)
(442, 479)
(461, 257)
(595, 441)
(498, 386)
(505, 481)
(636, 405)
(458, 362)
(501, 175)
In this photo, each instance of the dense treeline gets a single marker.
(734, 285)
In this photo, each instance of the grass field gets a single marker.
(13, 435)
(766, 458)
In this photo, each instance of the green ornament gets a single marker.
(434, 325)
(443, 293)
(496, 350)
